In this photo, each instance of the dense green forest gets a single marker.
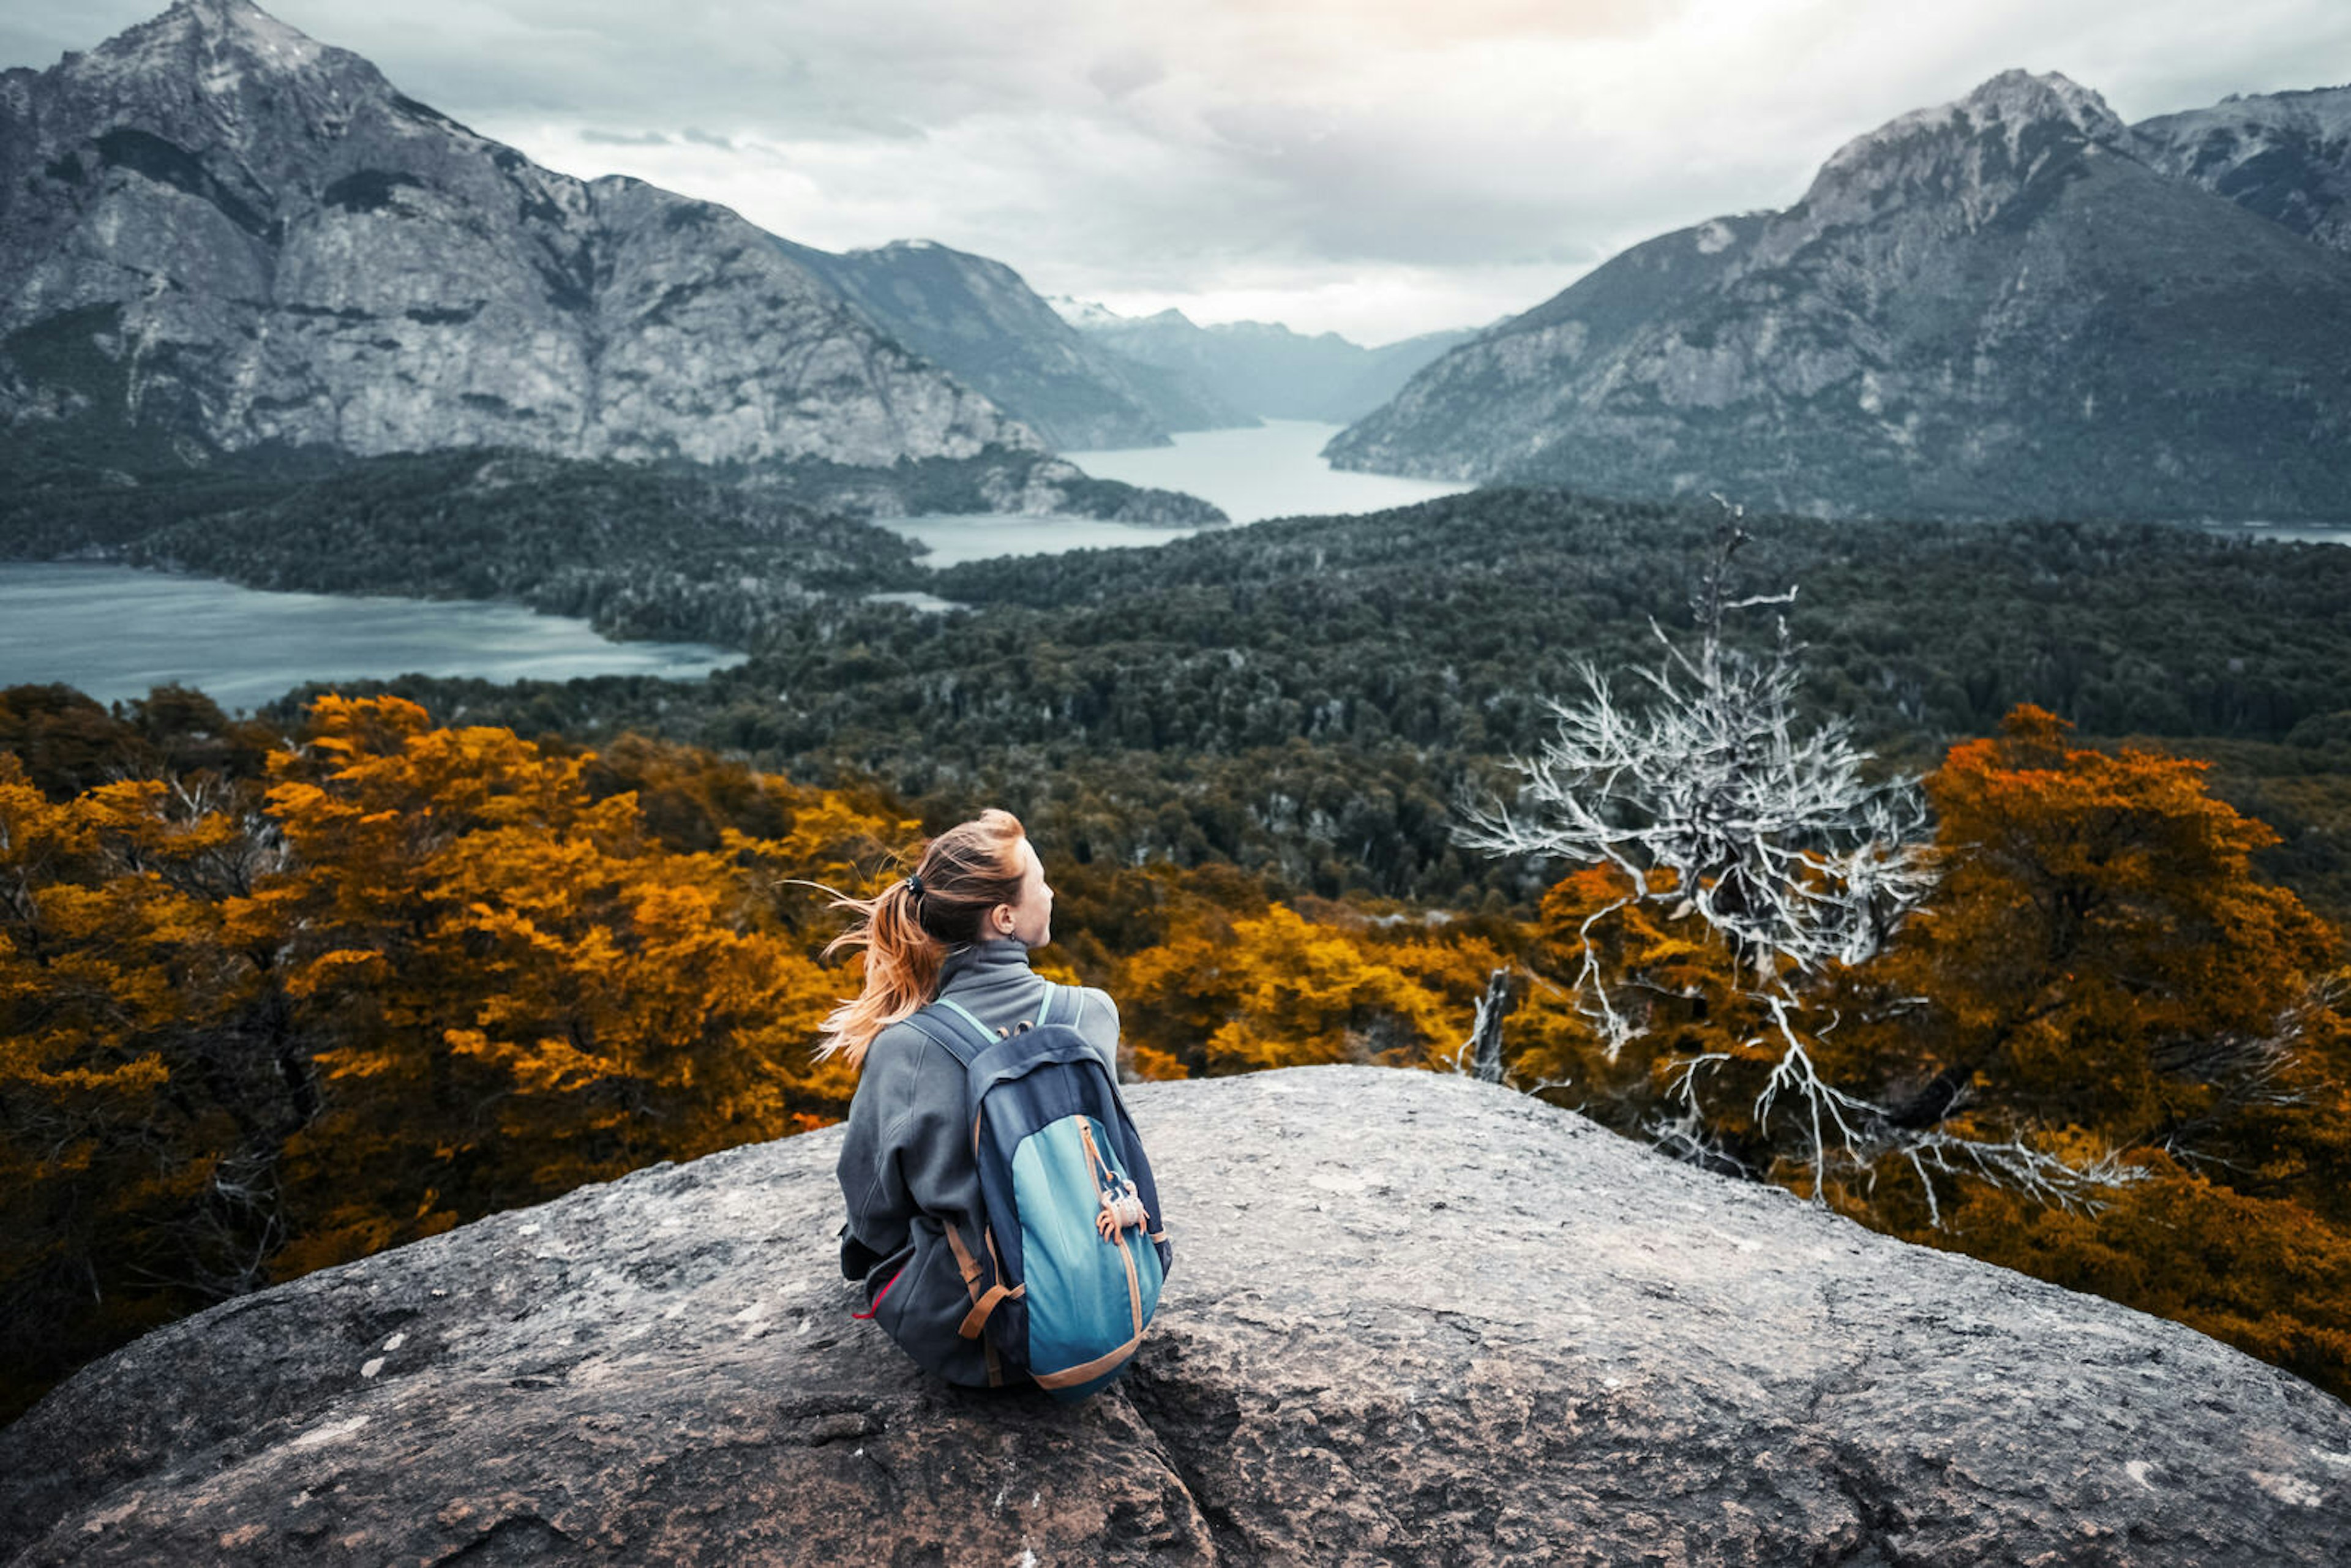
(1311, 698)
(639, 551)
(636, 552)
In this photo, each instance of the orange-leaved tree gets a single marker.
(149, 1070)
(427, 973)
(524, 990)
(1224, 993)
(2100, 972)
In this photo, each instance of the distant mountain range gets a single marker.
(979, 321)
(2285, 155)
(219, 236)
(2007, 305)
(1264, 368)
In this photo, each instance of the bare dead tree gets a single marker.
(1712, 799)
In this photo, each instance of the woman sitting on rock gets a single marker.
(959, 930)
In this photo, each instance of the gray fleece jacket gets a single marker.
(906, 1167)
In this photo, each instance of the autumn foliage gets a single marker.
(2098, 984)
(2102, 972)
(269, 1004)
(408, 977)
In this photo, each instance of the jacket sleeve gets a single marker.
(1098, 1021)
(899, 1155)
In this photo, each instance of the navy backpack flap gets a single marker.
(1074, 1231)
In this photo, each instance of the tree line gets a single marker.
(1311, 699)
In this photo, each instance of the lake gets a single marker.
(2294, 533)
(1273, 470)
(115, 632)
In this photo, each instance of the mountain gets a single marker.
(2285, 155)
(1995, 307)
(1413, 1319)
(219, 233)
(978, 320)
(1264, 367)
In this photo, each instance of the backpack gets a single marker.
(1076, 1244)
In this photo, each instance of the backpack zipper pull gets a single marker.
(1121, 1206)
(1120, 1209)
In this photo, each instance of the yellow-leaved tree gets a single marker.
(250, 1027)
(1224, 993)
(524, 990)
(148, 1068)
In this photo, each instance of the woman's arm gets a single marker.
(1098, 1021)
(902, 1152)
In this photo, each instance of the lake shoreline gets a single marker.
(118, 636)
(115, 633)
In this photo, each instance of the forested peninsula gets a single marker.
(678, 552)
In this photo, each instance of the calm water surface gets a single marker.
(2300, 533)
(1274, 471)
(117, 633)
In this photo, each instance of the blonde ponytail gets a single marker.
(908, 928)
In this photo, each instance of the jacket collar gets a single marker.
(983, 966)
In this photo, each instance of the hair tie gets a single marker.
(914, 884)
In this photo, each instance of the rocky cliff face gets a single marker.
(1413, 1319)
(2285, 155)
(216, 229)
(979, 319)
(1996, 307)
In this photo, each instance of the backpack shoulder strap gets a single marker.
(942, 1034)
(1064, 1005)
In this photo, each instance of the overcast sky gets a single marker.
(1373, 167)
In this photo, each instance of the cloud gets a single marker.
(1116, 75)
(1381, 167)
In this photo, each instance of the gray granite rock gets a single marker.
(1413, 1319)
(2009, 306)
(2285, 155)
(215, 226)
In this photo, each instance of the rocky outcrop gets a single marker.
(219, 231)
(2285, 155)
(979, 321)
(1413, 1319)
(1994, 308)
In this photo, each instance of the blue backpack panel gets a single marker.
(1076, 1240)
